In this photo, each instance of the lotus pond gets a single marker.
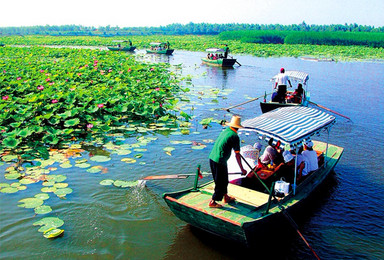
(76, 193)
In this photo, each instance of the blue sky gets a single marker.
(127, 13)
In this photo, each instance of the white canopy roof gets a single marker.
(295, 75)
(214, 50)
(290, 125)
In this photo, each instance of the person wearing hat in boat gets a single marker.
(221, 151)
(311, 156)
(271, 154)
(286, 169)
(281, 83)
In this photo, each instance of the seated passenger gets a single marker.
(285, 169)
(297, 95)
(311, 156)
(251, 153)
(280, 94)
(302, 165)
(270, 153)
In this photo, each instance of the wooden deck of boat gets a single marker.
(244, 209)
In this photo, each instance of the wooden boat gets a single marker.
(218, 57)
(160, 48)
(121, 46)
(295, 78)
(254, 210)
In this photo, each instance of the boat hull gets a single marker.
(131, 48)
(269, 106)
(219, 62)
(167, 51)
(246, 219)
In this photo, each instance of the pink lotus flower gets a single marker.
(157, 89)
(89, 126)
(102, 72)
(47, 79)
(100, 105)
(54, 101)
(19, 78)
(5, 97)
(41, 71)
(79, 74)
(40, 87)
(152, 69)
(129, 70)
(109, 70)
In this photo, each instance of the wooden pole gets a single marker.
(330, 110)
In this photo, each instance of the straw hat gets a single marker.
(235, 122)
(287, 156)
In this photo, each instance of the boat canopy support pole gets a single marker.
(294, 180)
(270, 197)
(196, 179)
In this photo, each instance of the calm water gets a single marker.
(344, 221)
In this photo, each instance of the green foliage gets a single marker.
(51, 95)
(314, 38)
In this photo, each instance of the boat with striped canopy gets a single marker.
(295, 77)
(255, 209)
(121, 46)
(218, 57)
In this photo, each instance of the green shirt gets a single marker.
(221, 151)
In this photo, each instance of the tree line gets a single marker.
(180, 29)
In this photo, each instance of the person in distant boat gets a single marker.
(226, 51)
(311, 156)
(298, 95)
(221, 151)
(281, 83)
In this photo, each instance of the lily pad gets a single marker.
(9, 190)
(125, 184)
(94, 169)
(12, 176)
(63, 192)
(169, 149)
(60, 185)
(56, 178)
(198, 147)
(128, 160)
(30, 203)
(43, 209)
(53, 232)
(107, 182)
(48, 223)
(48, 189)
(100, 158)
(27, 181)
(83, 165)
(66, 165)
(123, 152)
(42, 196)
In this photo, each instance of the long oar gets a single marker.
(330, 110)
(251, 100)
(238, 63)
(176, 176)
(283, 210)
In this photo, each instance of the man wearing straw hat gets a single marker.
(221, 151)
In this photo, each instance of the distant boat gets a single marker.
(121, 46)
(255, 209)
(295, 77)
(321, 59)
(160, 48)
(218, 57)
(2, 44)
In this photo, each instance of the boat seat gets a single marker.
(243, 195)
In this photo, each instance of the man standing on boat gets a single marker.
(221, 151)
(282, 79)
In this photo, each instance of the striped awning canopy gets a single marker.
(296, 76)
(290, 125)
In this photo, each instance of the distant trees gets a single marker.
(180, 29)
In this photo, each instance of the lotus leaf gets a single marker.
(100, 158)
(72, 122)
(138, 156)
(83, 165)
(22, 187)
(53, 232)
(61, 185)
(27, 181)
(81, 161)
(169, 149)
(4, 185)
(123, 152)
(12, 176)
(48, 189)
(107, 182)
(66, 165)
(125, 184)
(44, 209)
(63, 192)
(15, 184)
(11, 142)
(94, 169)
(9, 190)
(198, 147)
(56, 178)
(48, 183)
(128, 160)
(42, 196)
(140, 150)
(48, 222)
(30, 203)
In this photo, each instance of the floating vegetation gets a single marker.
(49, 227)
